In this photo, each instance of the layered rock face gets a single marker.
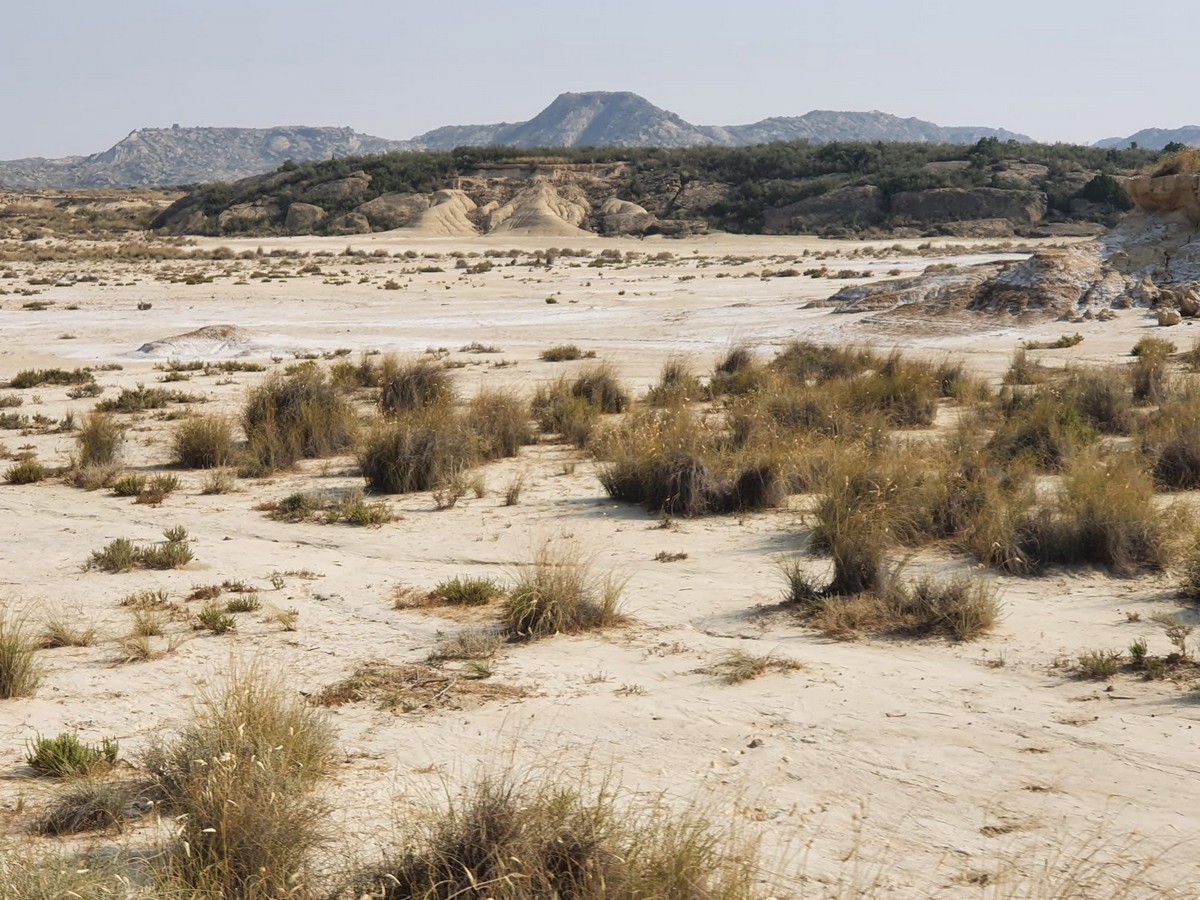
(1166, 194)
(1152, 260)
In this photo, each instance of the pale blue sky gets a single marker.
(78, 76)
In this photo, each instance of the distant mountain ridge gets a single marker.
(622, 119)
(1156, 138)
(155, 157)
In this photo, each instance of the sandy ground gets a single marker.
(884, 767)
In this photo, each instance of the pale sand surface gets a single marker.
(902, 766)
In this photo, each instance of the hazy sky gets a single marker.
(78, 75)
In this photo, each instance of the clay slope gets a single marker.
(448, 215)
(539, 210)
(1152, 259)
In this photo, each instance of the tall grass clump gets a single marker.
(1040, 430)
(416, 452)
(240, 782)
(806, 361)
(20, 671)
(960, 608)
(854, 521)
(1170, 440)
(501, 422)
(737, 372)
(99, 440)
(599, 386)
(558, 410)
(1102, 398)
(203, 442)
(27, 874)
(1023, 370)
(1104, 515)
(414, 384)
(1149, 376)
(670, 461)
(513, 838)
(558, 592)
(677, 384)
(302, 415)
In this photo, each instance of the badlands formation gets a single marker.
(884, 766)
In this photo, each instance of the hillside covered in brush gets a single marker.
(990, 188)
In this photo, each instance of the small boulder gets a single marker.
(1168, 317)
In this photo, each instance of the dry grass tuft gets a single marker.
(301, 416)
(415, 687)
(99, 440)
(203, 442)
(239, 779)
(520, 839)
(558, 593)
(414, 385)
(20, 671)
(736, 666)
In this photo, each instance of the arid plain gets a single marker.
(881, 766)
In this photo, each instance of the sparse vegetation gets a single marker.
(517, 839)
(30, 378)
(565, 353)
(122, 554)
(416, 452)
(27, 471)
(736, 666)
(329, 507)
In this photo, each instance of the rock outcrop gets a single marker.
(848, 206)
(961, 204)
(388, 211)
(302, 218)
(1152, 260)
(1166, 194)
(620, 217)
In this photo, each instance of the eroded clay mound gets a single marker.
(448, 215)
(209, 342)
(952, 289)
(540, 211)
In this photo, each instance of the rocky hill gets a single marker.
(989, 189)
(1157, 138)
(178, 156)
